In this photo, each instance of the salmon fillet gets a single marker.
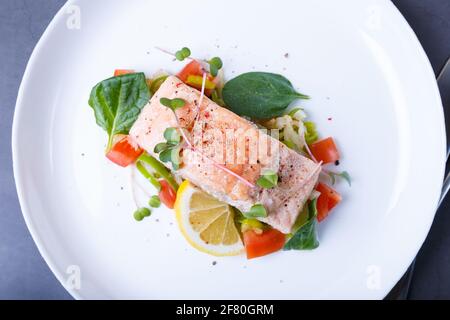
(219, 136)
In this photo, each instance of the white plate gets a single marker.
(363, 67)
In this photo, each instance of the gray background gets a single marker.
(24, 274)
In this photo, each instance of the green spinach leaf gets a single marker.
(305, 238)
(118, 101)
(260, 95)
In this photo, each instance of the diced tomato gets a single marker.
(194, 68)
(124, 153)
(167, 194)
(120, 72)
(327, 200)
(325, 150)
(258, 245)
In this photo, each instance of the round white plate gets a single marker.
(372, 88)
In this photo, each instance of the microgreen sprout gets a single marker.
(183, 54)
(169, 151)
(268, 179)
(256, 211)
(215, 64)
(344, 175)
(141, 213)
(172, 136)
(154, 202)
(173, 104)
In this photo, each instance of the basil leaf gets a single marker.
(256, 211)
(260, 95)
(302, 219)
(306, 238)
(118, 101)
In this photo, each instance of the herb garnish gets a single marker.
(169, 151)
(173, 104)
(256, 211)
(344, 175)
(260, 95)
(117, 103)
(305, 238)
(141, 213)
(268, 179)
(215, 64)
(182, 54)
(154, 202)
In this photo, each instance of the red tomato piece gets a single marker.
(120, 72)
(328, 199)
(167, 194)
(258, 245)
(194, 68)
(325, 150)
(124, 153)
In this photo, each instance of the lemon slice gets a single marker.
(206, 223)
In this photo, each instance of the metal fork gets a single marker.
(401, 289)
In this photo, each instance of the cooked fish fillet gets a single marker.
(219, 138)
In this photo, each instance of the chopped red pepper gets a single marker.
(258, 245)
(120, 72)
(124, 153)
(167, 194)
(325, 150)
(194, 68)
(328, 199)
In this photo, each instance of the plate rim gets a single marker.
(18, 176)
(14, 144)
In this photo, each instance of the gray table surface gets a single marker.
(23, 272)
